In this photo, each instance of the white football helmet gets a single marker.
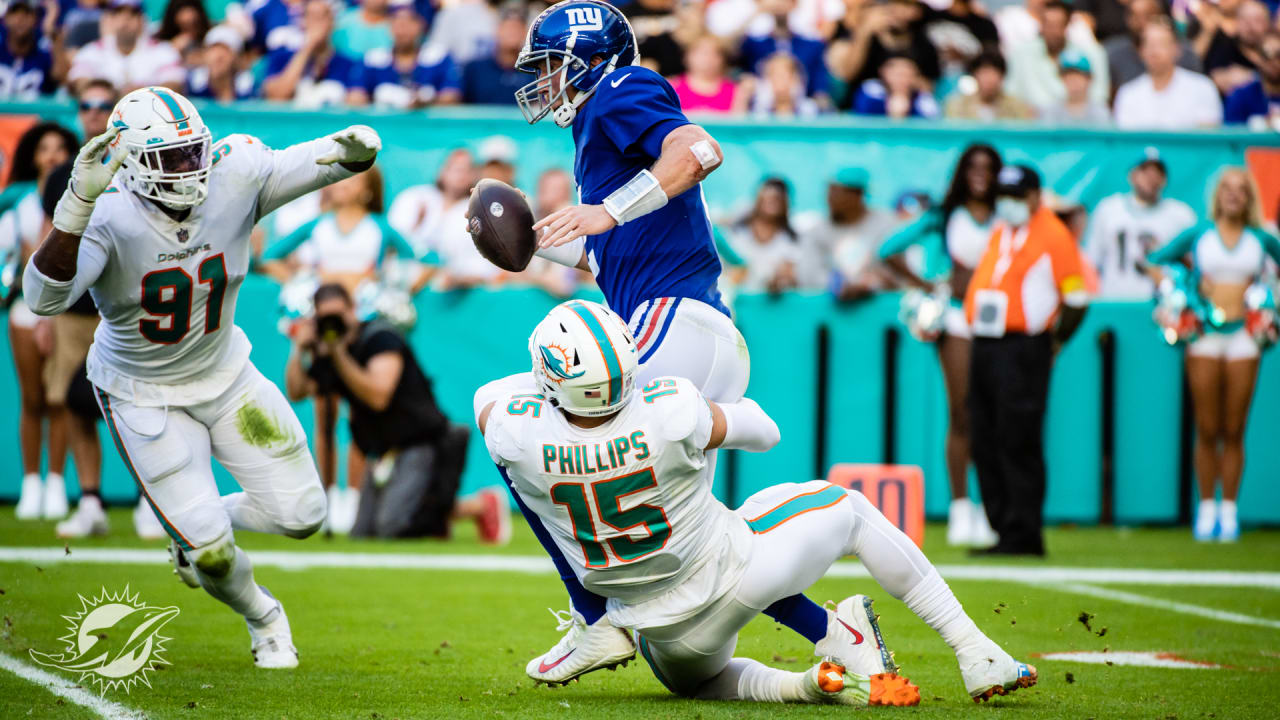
(584, 358)
(167, 146)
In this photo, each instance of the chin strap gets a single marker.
(564, 115)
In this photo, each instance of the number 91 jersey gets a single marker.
(166, 289)
(629, 503)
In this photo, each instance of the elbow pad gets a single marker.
(748, 427)
(43, 295)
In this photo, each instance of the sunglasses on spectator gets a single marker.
(100, 105)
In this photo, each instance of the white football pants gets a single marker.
(690, 339)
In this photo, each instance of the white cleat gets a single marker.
(29, 503)
(183, 568)
(583, 649)
(960, 523)
(146, 523)
(831, 683)
(53, 505)
(853, 638)
(271, 641)
(88, 519)
(990, 671)
(981, 534)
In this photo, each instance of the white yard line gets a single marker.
(66, 689)
(538, 565)
(1146, 601)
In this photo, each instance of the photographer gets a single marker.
(415, 455)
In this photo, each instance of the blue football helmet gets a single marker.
(562, 42)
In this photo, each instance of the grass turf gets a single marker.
(381, 643)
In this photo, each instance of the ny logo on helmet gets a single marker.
(584, 18)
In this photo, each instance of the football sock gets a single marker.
(237, 588)
(898, 565)
(746, 679)
(589, 605)
(801, 614)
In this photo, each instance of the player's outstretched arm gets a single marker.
(742, 425)
(302, 168)
(58, 275)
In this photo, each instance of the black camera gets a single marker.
(330, 328)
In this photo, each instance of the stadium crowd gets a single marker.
(1131, 63)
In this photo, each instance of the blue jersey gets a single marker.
(433, 73)
(669, 252)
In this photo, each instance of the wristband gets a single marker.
(640, 196)
(71, 215)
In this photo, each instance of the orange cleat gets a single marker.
(893, 690)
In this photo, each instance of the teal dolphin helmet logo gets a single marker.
(554, 359)
(112, 642)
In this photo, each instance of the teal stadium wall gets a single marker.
(466, 338)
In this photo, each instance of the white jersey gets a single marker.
(167, 290)
(628, 503)
(1122, 232)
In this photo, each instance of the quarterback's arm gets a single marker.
(743, 426)
(302, 168)
(689, 155)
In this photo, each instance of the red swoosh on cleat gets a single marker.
(543, 667)
(857, 636)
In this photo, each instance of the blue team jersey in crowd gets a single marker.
(27, 77)
(276, 24)
(433, 73)
(340, 69)
(669, 252)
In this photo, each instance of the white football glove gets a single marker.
(357, 143)
(91, 175)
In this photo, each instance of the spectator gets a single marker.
(81, 23)
(780, 91)
(461, 265)
(467, 29)
(184, 25)
(553, 192)
(346, 244)
(1258, 103)
(657, 24)
(841, 249)
(366, 27)
(766, 241)
(969, 15)
(1108, 18)
(705, 85)
(497, 156)
(810, 18)
(1079, 107)
(1126, 227)
(960, 33)
(1166, 96)
(1123, 60)
(216, 77)
(1033, 65)
(1020, 318)
(1227, 254)
(415, 213)
(896, 94)
(415, 455)
(409, 74)
(493, 79)
(40, 151)
(988, 101)
(26, 69)
(314, 74)
(1228, 41)
(869, 35)
(127, 57)
(953, 238)
(276, 24)
(758, 47)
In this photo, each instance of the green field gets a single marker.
(424, 643)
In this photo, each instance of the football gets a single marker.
(501, 225)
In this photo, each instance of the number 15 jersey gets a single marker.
(167, 289)
(628, 503)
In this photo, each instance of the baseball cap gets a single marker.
(16, 4)
(498, 149)
(124, 5)
(852, 177)
(224, 35)
(1017, 181)
(1151, 156)
(1073, 59)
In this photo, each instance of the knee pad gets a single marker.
(307, 514)
(216, 558)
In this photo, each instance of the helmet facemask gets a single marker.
(549, 91)
(175, 173)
